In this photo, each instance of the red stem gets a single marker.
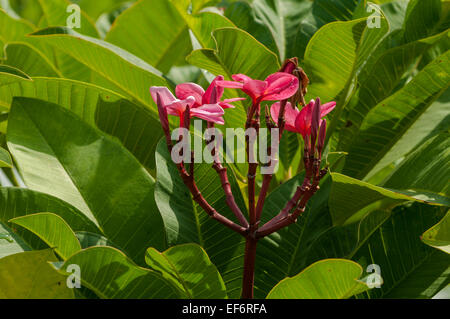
(249, 268)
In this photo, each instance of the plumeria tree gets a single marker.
(286, 149)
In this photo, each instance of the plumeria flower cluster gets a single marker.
(287, 88)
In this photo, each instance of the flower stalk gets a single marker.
(288, 86)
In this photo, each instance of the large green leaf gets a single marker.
(390, 119)
(5, 158)
(189, 268)
(236, 52)
(272, 22)
(10, 75)
(112, 275)
(438, 236)
(122, 69)
(335, 54)
(10, 243)
(322, 12)
(325, 279)
(55, 14)
(17, 202)
(186, 222)
(283, 254)
(133, 125)
(67, 158)
(31, 61)
(28, 275)
(345, 190)
(53, 230)
(164, 38)
(112, 113)
(423, 168)
(378, 79)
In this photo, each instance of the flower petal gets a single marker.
(165, 95)
(280, 86)
(185, 90)
(241, 77)
(254, 88)
(290, 115)
(209, 112)
(327, 108)
(303, 120)
(230, 84)
(178, 107)
(219, 91)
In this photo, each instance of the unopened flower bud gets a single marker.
(162, 113)
(322, 134)
(315, 122)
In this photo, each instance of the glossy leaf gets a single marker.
(28, 275)
(53, 230)
(122, 69)
(438, 236)
(167, 24)
(10, 243)
(344, 191)
(29, 60)
(89, 170)
(111, 275)
(189, 268)
(326, 279)
(186, 222)
(390, 119)
(5, 158)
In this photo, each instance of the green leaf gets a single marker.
(422, 19)
(10, 243)
(110, 112)
(167, 24)
(88, 239)
(325, 279)
(236, 52)
(122, 69)
(53, 230)
(112, 275)
(5, 158)
(273, 22)
(28, 275)
(17, 202)
(378, 79)
(95, 9)
(10, 75)
(391, 118)
(335, 54)
(322, 12)
(31, 61)
(189, 268)
(409, 268)
(438, 236)
(65, 157)
(284, 253)
(422, 168)
(186, 222)
(350, 199)
(80, 98)
(56, 14)
(133, 125)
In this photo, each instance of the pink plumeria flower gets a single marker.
(185, 90)
(300, 121)
(209, 112)
(277, 86)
